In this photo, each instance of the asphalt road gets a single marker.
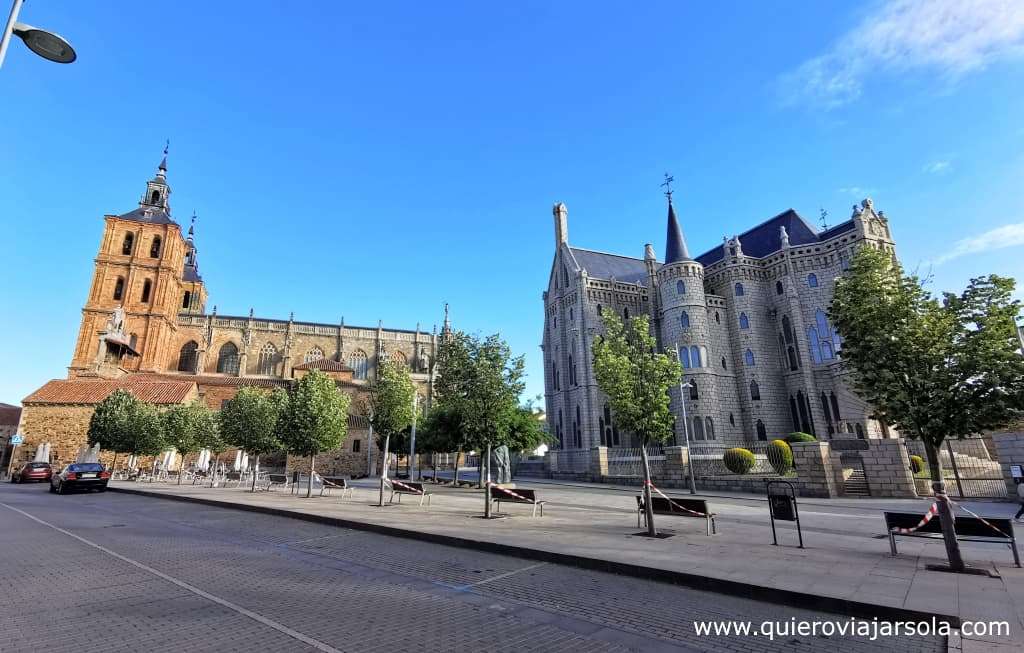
(129, 573)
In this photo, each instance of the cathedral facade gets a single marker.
(748, 320)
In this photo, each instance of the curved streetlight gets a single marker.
(47, 45)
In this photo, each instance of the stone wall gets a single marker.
(813, 463)
(1009, 451)
(65, 427)
(342, 461)
(887, 469)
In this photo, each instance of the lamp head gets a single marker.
(47, 45)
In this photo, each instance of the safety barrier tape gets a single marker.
(932, 511)
(683, 508)
(982, 519)
(403, 486)
(508, 491)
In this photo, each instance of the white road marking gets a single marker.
(266, 621)
(505, 575)
(314, 539)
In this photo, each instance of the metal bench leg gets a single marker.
(422, 497)
(707, 525)
(892, 543)
(1013, 547)
(534, 508)
(391, 499)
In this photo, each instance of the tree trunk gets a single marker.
(255, 472)
(181, 467)
(384, 468)
(956, 561)
(113, 464)
(433, 461)
(487, 486)
(455, 476)
(648, 508)
(213, 474)
(309, 486)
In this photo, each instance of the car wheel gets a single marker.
(53, 490)
(103, 488)
(60, 489)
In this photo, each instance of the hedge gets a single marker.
(916, 464)
(800, 437)
(738, 460)
(780, 455)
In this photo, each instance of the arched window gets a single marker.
(572, 316)
(787, 329)
(267, 362)
(755, 391)
(128, 244)
(186, 301)
(794, 363)
(625, 313)
(732, 420)
(684, 356)
(133, 340)
(822, 322)
(560, 431)
(762, 432)
(748, 358)
(119, 289)
(814, 345)
(684, 320)
(680, 287)
(724, 366)
(187, 357)
(744, 321)
(778, 288)
(399, 359)
(860, 430)
(805, 419)
(554, 375)
(154, 250)
(698, 428)
(359, 363)
(609, 430)
(155, 197)
(694, 396)
(695, 357)
(709, 429)
(599, 310)
(826, 350)
(828, 414)
(812, 280)
(578, 435)
(147, 286)
(738, 289)
(356, 445)
(227, 359)
(313, 354)
(835, 406)
(793, 413)
(718, 318)
(572, 371)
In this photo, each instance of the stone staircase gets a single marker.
(856, 484)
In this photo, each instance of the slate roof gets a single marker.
(763, 239)
(148, 215)
(9, 415)
(190, 273)
(607, 266)
(675, 244)
(325, 365)
(77, 391)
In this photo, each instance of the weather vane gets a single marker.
(668, 185)
(167, 146)
(824, 214)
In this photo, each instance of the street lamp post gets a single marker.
(47, 45)
(686, 435)
(412, 437)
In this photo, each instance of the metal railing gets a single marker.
(967, 468)
(707, 459)
(627, 462)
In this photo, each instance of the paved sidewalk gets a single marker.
(846, 566)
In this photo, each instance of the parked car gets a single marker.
(80, 476)
(32, 472)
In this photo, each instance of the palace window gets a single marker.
(709, 428)
(680, 287)
(572, 371)
(313, 354)
(793, 413)
(155, 197)
(695, 356)
(762, 432)
(748, 358)
(744, 321)
(693, 390)
(812, 280)
(227, 359)
(119, 289)
(146, 288)
(814, 345)
(578, 429)
(755, 391)
(684, 356)
(133, 340)
(684, 320)
(186, 301)
(718, 318)
(860, 430)
(359, 363)
(399, 359)
(625, 313)
(187, 357)
(724, 366)
(828, 414)
(732, 420)
(266, 363)
(778, 288)
(128, 244)
(572, 317)
(356, 445)
(738, 289)
(835, 406)
(698, 428)
(609, 431)
(154, 250)
(599, 310)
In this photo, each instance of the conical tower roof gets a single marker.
(675, 243)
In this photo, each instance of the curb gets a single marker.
(789, 598)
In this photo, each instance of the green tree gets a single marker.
(181, 429)
(391, 397)
(440, 432)
(315, 419)
(146, 431)
(636, 379)
(453, 359)
(934, 369)
(208, 436)
(526, 432)
(249, 421)
(111, 423)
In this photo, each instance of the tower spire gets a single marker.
(161, 170)
(675, 244)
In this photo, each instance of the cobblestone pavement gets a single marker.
(136, 573)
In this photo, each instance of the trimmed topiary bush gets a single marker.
(800, 437)
(916, 464)
(738, 460)
(780, 455)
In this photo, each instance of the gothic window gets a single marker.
(787, 329)
(684, 320)
(267, 362)
(356, 446)
(828, 414)
(572, 317)
(755, 391)
(822, 321)
(748, 358)
(680, 287)
(826, 350)
(698, 428)
(186, 301)
(744, 321)
(709, 428)
(794, 363)
(610, 430)
(155, 197)
(738, 289)
(359, 363)
(625, 313)
(313, 354)
(724, 366)
(860, 430)
(559, 431)
(695, 358)
(154, 250)
(599, 310)
(793, 413)
(399, 359)
(227, 359)
(565, 275)
(554, 323)
(732, 420)
(578, 429)
(805, 419)
(718, 318)
(146, 287)
(837, 340)
(778, 288)
(572, 371)
(187, 357)
(133, 340)
(812, 280)
(684, 356)
(693, 390)
(129, 242)
(554, 375)
(814, 345)
(835, 406)
(762, 432)
(119, 289)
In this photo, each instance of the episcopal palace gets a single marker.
(747, 318)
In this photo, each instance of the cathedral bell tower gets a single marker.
(145, 274)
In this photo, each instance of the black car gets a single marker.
(80, 476)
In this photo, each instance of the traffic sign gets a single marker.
(17, 438)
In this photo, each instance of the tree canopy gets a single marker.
(390, 402)
(146, 432)
(111, 423)
(316, 416)
(249, 420)
(181, 427)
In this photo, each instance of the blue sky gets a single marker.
(376, 160)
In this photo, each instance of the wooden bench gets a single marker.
(335, 483)
(519, 495)
(407, 487)
(679, 508)
(968, 529)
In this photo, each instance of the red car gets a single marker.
(32, 472)
(80, 476)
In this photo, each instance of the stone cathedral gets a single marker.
(747, 318)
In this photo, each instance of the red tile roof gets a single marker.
(79, 391)
(9, 415)
(324, 364)
(211, 379)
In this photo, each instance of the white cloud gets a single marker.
(953, 37)
(858, 191)
(1009, 235)
(937, 167)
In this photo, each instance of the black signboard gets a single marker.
(782, 505)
